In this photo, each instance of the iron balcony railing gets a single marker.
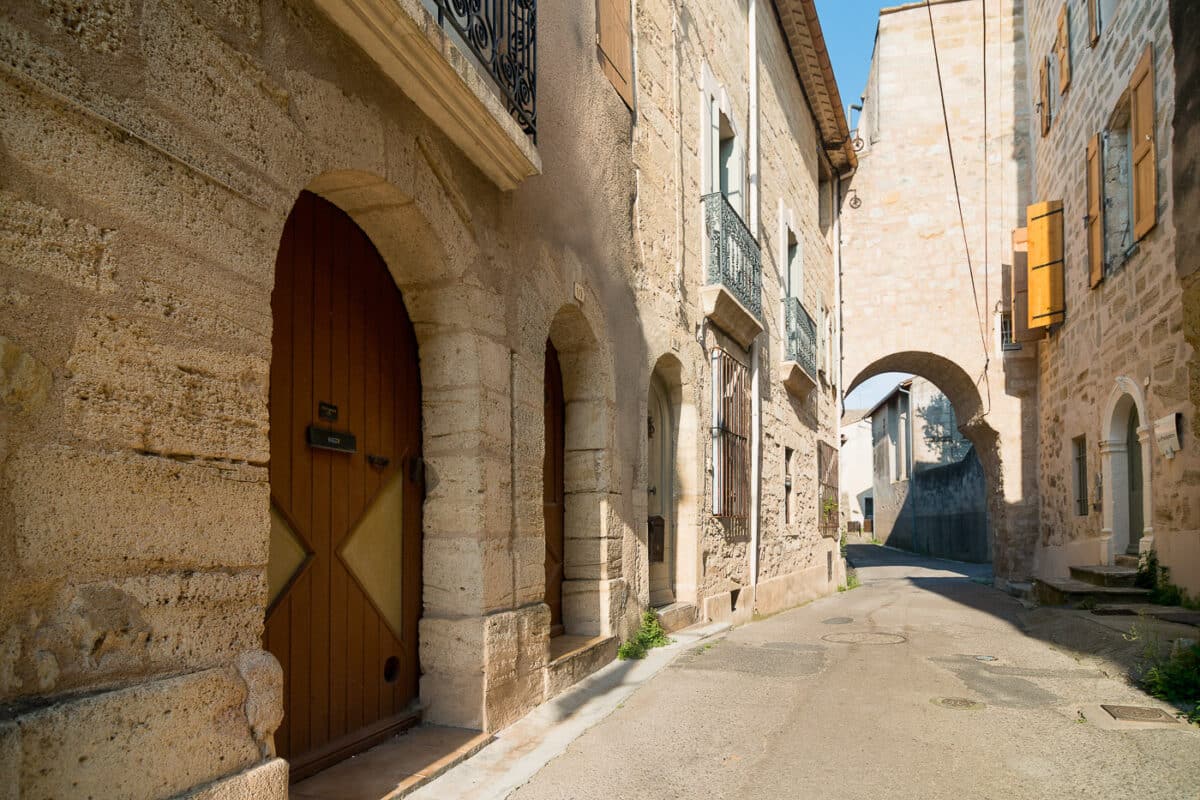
(502, 34)
(733, 257)
(801, 334)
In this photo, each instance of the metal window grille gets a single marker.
(1006, 332)
(827, 478)
(1081, 475)
(731, 436)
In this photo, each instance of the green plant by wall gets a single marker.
(852, 581)
(1154, 576)
(647, 637)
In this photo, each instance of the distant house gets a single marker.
(857, 478)
(929, 491)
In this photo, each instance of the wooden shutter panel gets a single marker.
(1045, 225)
(1145, 162)
(1018, 291)
(1044, 98)
(1095, 210)
(616, 45)
(1062, 46)
(1093, 23)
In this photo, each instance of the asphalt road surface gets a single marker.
(918, 684)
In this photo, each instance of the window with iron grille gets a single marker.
(1079, 445)
(827, 479)
(731, 436)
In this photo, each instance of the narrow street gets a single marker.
(839, 699)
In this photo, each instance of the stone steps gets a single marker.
(1126, 561)
(1105, 575)
(1073, 592)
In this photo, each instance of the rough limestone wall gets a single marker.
(149, 155)
(789, 151)
(1132, 324)
(949, 511)
(908, 302)
(673, 51)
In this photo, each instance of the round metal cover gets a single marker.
(985, 658)
(957, 703)
(837, 621)
(864, 637)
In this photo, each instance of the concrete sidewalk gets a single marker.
(525, 747)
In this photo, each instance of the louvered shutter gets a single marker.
(1063, 47)
(1095, 211)
(616, 45)
(1019, 291)
(1045, 225)
(1145, 162)
(1044, 98)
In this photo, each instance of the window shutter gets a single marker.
(1095, 211)
(1093, 23)
(1045, 225)
(1044, 98)
(1063, 47)
(616, 45)
(1145, 162)
(1019, 290)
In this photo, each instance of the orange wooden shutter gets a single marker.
(1044, 98)
(1145, 162)
(1017, 291)
(616, 45)
(1093, 23)
(1062, 46)
(1045, 225)
(1095, 211)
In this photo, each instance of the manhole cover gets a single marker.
(958, 703)
(985, 658)
(864, 637)
(837, 621)
(1138, 713)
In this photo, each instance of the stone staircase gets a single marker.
(1093, 585)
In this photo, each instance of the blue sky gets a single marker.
(849, 28)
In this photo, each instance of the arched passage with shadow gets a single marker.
(968, 403)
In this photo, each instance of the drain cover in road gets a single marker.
(985, 658)
(864, 637)
(957, 703)
(837, 621)
(1138, 714)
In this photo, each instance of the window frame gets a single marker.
(1079, 471)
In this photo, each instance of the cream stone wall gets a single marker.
(909, 301)
(149, 156)
(1131, 325)
(687, 53)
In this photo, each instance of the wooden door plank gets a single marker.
(339, 510)
(356, 488)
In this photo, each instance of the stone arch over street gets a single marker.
(969, 401)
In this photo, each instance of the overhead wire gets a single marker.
(957, 192)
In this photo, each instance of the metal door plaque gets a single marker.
(326, 439)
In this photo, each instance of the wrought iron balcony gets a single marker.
(733, 257)
(502, 35)
(801, 335)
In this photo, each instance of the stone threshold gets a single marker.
(395, 768)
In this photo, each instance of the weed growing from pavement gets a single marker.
(647, 637)
(852, 581)
(1174, 677)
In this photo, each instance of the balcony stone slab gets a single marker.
(411, 48)
(796, 380)
(727, 313)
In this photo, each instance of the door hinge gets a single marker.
(416, 469)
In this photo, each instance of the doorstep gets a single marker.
(573, 658)
(394, 768)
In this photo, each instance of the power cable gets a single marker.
(962, 223)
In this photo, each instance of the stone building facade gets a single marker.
(1113, 376)
(922, 285)
(530, 288)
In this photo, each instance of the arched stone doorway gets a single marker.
(671, 477)
(344, 563)
(1125, 458)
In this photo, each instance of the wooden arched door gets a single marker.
(554, 486)
(344, 570)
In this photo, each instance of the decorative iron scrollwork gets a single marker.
(734, 260)
(502, 35)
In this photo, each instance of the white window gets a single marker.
(728, 161)
(794, 266)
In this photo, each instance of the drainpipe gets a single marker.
(838, 396)
(755, 393)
